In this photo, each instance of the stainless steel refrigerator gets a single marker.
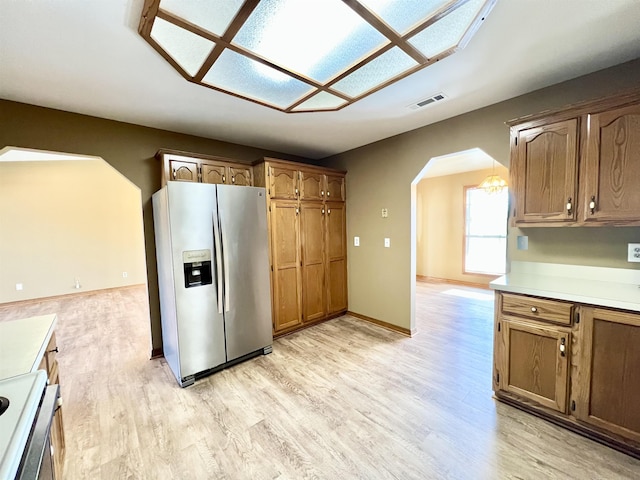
(213, 276)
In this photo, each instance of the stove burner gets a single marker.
(4, 404)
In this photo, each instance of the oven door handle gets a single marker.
(36, 447)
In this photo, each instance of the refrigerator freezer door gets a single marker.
(200, 327)
(243, 221)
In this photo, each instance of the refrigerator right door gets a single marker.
(242, 214)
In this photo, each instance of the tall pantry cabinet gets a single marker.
(307, 225)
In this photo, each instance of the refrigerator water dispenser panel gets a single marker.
(197, 268)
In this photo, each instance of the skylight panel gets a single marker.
(321, 101)
(401, 15)
(212, 15)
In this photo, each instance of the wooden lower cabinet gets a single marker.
(607, 384)
(307, 225)
(584, 376)
(49, 364)
(312, 226)
(285, 261)
(535, 363)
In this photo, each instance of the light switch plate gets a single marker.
(356, 241)
(387, 242)
(634, 252)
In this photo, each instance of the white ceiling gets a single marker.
(86, 56)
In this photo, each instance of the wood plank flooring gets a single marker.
(342, 400)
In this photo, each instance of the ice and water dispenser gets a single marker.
(197, 268)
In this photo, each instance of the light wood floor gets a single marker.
(342, 400)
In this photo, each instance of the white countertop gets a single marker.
(23, 343)
(24, 393)
(605, 287)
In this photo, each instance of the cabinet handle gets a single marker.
(297, 192)
(54, 350)
(297, 210)
(322, 193)
(174, 173)
(233, 179)
(569, 207)
(323, 211)
(534, 310)
(562, 347)
(329, 211)
(224, 179)
(592, 204)
(328, 194)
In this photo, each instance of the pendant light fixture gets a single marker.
(493, 183)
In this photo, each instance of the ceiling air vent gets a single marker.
(428, 101)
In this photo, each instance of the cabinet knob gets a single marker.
(534, 310)
(233, 179)
(323, 211)
(174, 173)
(569, 207)
(592, 204)
(224, 179)
(563, 347)
(322, 193)
(328, 194)
(329, 211)
(297, 193)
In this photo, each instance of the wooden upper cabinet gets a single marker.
(544, 173)
(579, 165)
(213, 173)
(283, 183)
(240, 176)
(312, 185)
(335, 188)
(183, 171)
(606, 391)
(611, 189)
(186, 167)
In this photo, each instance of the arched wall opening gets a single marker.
(68, 224)
(438, 218)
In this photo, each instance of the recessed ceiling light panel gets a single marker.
(306, 55)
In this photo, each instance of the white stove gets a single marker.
(24, 393)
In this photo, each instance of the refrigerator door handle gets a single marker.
(225, 254)
(216, 245)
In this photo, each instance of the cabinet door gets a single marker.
(283, 183)
(183, 171)
(335, 187)
(312, 221)
(607, 387)
(535, 362)
(241, 176)
(336, 240)
(611, 166)
(214, 173)
(312, 186)
(544, 173)
(286, 264)
(56, 437)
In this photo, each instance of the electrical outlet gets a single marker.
(634, 252)
(523, 242)
(387, 242)
(356, 241)
(125, 274)
(18, 286)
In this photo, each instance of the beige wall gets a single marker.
(440, 225)
(381, 280)
(67, 220)
(130, 149)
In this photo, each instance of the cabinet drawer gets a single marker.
(537, 308)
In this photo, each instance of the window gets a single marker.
(485, 219)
